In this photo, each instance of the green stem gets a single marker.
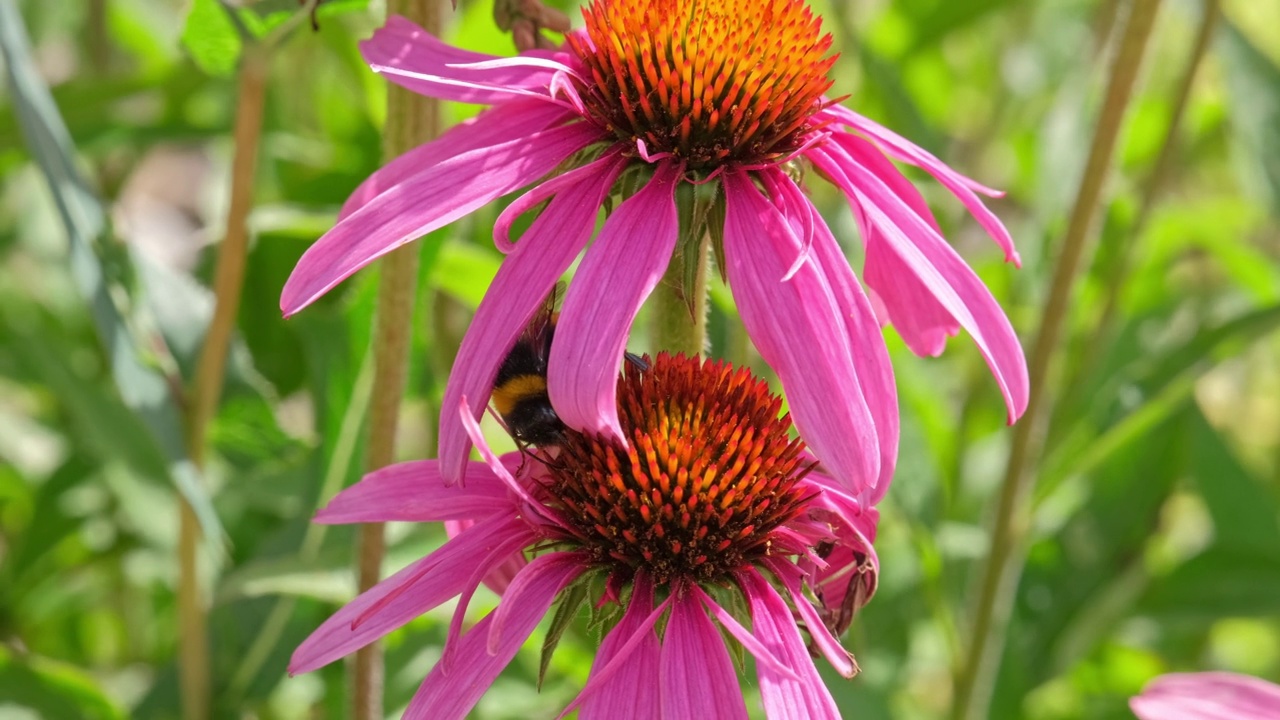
(1160, 171)
(411, 120)
(679, 320)
(1000, 573)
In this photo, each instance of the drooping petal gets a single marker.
(741, 634)
(523, 282)
(904, 299)
(918, 317)
(696, 675)
(616, 275)
(922, 322)
(578, 183)
(774, 626)
(825, 641)
(629, 692)
(416, 60)
(445, 695)
(431, 199)
(866, 343)
(501, 123)
(797, 328)
(501, 575)
(407, 594)
(962, 187)
(936, 264)
(528, 505)
(416, 492)
(1207, 696)
(541, 580)
(847, 578)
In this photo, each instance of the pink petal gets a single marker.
(414, 59)
(629, 692)
(696, 675)
(870, 156)
(415, 492)
(921, 321)
(866, 343)
(616, 275)
(576, 184)
(930, 259)
(523, 282)
(1207, 696)
(798, 330)
(502, 123)
(407, 594)
(484, 568)
(476, 665)
(601, 678)
(906, 151)
(827, 644)
(536, 586)
(773, 625)
(959, 186)
(848, 576)
(742, 635)
(429, 200)
(501, 575)
(910, 305)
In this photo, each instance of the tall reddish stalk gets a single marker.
(411, 120)
(194, 672)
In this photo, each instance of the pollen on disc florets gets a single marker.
(712, 82)
(710, 472)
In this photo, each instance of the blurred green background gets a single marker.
(1157, 502)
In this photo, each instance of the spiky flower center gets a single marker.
(712, 82)
(710, 472)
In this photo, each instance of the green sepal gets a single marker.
(694, 205)
(730, 598)
(567, 606)
(715, 229)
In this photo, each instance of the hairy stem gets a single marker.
(1000, 573)
(411, 120)
(679, 320)
(194, 673)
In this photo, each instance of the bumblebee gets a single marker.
(520, 388)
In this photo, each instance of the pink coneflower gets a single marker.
(668, 92)
(1207, 696)
(710, 506)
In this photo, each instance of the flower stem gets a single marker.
(1160, 170)
(194, 673)
(1000, 573)
(679, 320)
(411, 120)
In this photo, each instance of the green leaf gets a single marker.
(1167, 381)
(1220, 582)
(146, 392)
(1253, 81)
(212, 37)
(1246, 515)
(1077, 582)
(948, 17)
(52, 689)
